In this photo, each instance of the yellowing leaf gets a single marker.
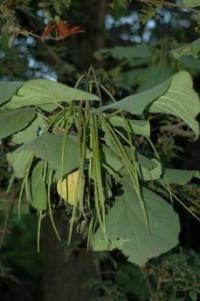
(67, 187)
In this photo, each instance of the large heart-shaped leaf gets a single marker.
(180, 100)
(136, 104)
(49, 148)
(8, 89)
(12, 121)
(38, 190)
(40, 91)
(127, 231)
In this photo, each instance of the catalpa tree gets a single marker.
(74, 151)
(81, 150)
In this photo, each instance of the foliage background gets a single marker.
(24, 274)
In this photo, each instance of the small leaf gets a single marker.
(40, 91)
(19, 161)
(30, 132)
(49, 107)
(145, 162)
(111, 158)
(151, 174)
(8, 89)
(178, 176)
(67, 187)
(138, 127)
(49, 147)
(12, 121)
(38, 188)
(180, 100)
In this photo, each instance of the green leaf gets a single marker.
(49, 107)
(129, 53)
(154, 75)
(145, 162)
(40, 91)
(190, 63)
(8, 89)
(151, 174)
(19, 161)
(193, 295)
(30, 132)
(174, 298)
(131, 279)
(179, 177)
(136, 104)
(188, 49)
(148, 169)
(197, 174)
(191, 3)
(180, 100)
(38, 190)
(49, 148)
(12, 121)
(139, 127)
(111, 158)
(127, 231)
(132, 77)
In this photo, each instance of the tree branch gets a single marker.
(176, 130)
(169, 4)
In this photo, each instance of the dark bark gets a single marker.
(100, 38)
(66, 272)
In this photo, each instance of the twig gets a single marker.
(149, 286)
(170, 5)
(177, 130)
(97, 85)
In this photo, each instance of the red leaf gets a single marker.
(48, 29)
(60, 30)
(64, 30)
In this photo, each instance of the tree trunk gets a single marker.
(66, 273)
